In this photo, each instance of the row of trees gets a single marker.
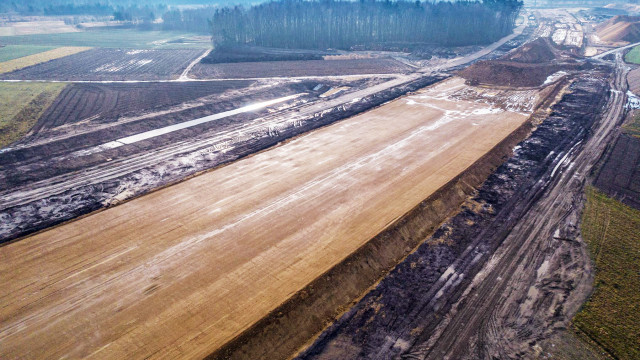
(344, 24)
(191, 20)
(131, 12)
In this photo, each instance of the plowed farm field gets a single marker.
(620, 175)
(109, 102)
(109, 65)
(181, 271)
(298, 68)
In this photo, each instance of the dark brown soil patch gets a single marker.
(620, 174)
(537, 51)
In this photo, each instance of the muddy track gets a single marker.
(442, 301)
(478, 326)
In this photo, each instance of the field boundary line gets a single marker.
(185, 74)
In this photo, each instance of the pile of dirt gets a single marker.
(533, 64)
(537, 51)
(513, 74)
(620, 28)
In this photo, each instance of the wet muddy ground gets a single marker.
(401, 314)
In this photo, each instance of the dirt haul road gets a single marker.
(181, 271)
(503, 305)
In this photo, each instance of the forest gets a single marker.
(126, 8)
(341, 24)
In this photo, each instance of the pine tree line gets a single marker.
(342, 24)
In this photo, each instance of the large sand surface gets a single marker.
(179, 272)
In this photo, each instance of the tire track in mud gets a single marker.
(430, 307)
(552, 219)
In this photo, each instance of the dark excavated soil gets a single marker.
(514, 74)
(537, 51)
(38, 154)
(406, 304)
(298, 68)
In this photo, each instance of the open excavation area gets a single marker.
(278, 200)
(389, 200)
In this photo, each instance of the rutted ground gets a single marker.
(58, 178)
(233, 248)
(439, 303)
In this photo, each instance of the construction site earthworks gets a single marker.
(338, 205)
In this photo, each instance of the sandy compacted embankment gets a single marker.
(182, 271)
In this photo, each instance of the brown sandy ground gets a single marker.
(179, 272)
(619, 30)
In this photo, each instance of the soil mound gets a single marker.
(620, 28)
(531, 65)
(505, 73)
(537, 51)
(514, 74)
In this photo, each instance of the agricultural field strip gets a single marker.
(110, 64)
(38, 58)
(299, 180)
(110, 38)
(312, 77)
(444, 67)
(120, 167)
(187, 124)
(79, 128)
(10, 52)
